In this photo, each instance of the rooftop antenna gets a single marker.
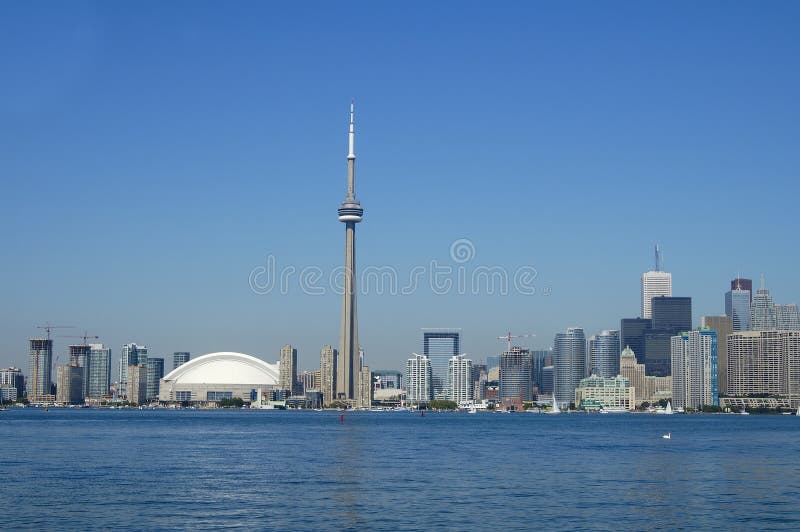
(763, 282)
(659, 259)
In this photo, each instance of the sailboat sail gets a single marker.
(668, 410)
(555, 405)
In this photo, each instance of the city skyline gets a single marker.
(177, 188)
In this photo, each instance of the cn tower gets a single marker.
(350, 213)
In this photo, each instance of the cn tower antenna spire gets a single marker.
(351, 156)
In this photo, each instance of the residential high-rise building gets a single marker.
(604, 352)
(350, 213)
(631, 334)
(13, 378)
(762, 310)
(516, 377)
(69, 384)
(630, 369)
(308, 380)
(694, 369)
(419, 379)
(569, 361)
(724, 326)
(440, 345)
(137, 384)
(764, 362)
(132, 355)
(327, 373)
(99, 371)
(40, 363)
(155, 372)
(655, 283)
(787, 317)
(288, 370)
(737, 308)
(179, 358)
(459, 379)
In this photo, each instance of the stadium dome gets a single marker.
(218, 376)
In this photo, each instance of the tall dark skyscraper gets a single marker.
(632, 335)
(743, 284)
(671, 316)
(672, 313)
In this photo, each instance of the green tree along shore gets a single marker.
(441, 404)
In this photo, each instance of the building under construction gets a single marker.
(40, 363)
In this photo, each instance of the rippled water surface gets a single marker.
(150, 469)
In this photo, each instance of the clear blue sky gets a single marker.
(153, 153)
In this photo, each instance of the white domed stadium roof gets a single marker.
(225, 368)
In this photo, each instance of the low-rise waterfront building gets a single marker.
(615, 393)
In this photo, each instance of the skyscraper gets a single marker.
(179, 358)
(604, 352)
(79, 356)
(672, 313)
(742, 284)
(765, 362)
(350, 213)
(723, 325)
(787, 317)
(327, 373)
(40, 363)
(634, 372)
(419, 379)
(762, 311)
(132, 355)
(440, 345)
(99, 374)
(694, 369)
(671, 316)
(569, 361)
(459, 379)
(632, 331)
(516, 377)
(137, 384)
(737, 308)
(69, 384)
(155, 372)
(655, 283)
(13, 378)
(288, 369)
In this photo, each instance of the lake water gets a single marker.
(161, 469)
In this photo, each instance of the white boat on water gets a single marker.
(667, 410)
(798, 411)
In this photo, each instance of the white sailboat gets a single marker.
(555, 409)
(798, 411)
(667, 410)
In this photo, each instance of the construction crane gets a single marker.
(47, 327)
(85, 336)
(509, 336)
